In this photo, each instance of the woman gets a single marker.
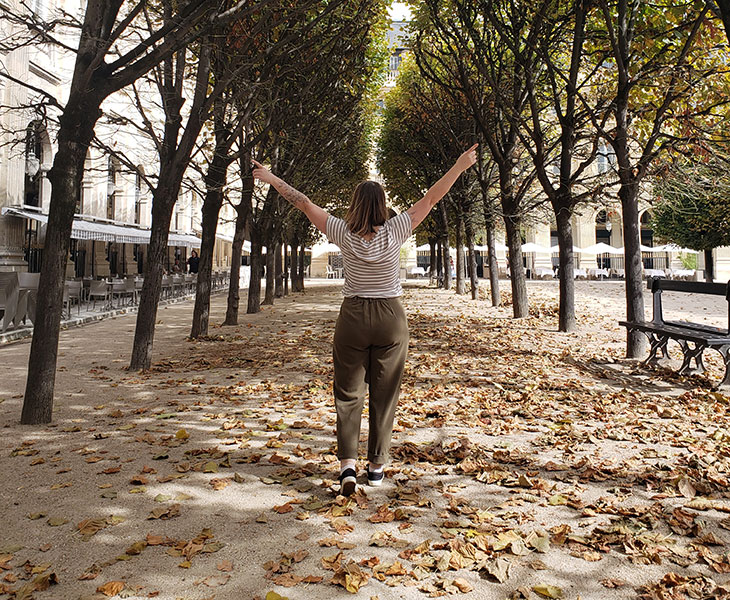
(371, 335)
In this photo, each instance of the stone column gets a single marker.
(12, 162)
(722, 264)
(540, 235)
(584, 235)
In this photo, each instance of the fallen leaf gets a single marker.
(111, 588)
(350, 577)
(548, 591)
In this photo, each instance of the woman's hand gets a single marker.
(467, 159)
(262, 173)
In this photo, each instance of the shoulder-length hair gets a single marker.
(367, 209)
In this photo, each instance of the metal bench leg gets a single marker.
(725, 352)
(658, 343)
(689, 354)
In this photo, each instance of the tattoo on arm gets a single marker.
(294, 197)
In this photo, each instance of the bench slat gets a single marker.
(689, 287)
(692, 335)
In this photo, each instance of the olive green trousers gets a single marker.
(370, 347)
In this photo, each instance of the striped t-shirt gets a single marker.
(371, 268)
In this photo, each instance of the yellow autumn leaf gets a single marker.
(548, 591)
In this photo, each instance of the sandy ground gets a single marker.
(526, 457)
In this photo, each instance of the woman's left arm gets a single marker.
(318, 216)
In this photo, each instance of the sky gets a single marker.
(399, 11)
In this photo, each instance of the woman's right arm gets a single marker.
(318, 216)
(419, 211)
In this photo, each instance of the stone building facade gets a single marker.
(111, 228)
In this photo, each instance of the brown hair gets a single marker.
(367, 209)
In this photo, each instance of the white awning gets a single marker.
(106, 232)
(229, 238)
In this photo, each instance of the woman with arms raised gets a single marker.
(371, 335)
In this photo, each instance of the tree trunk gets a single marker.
(709, 266)
(472, 261)
(74, 137)
(460, 283)
(144, 333)
(520, 308)
(212, 204)
(432, 259)
(445, 246)
(285, 273)
(300, 275)
(254, 284)
(493, 264)
(566, 275)
(270, 272)
(635, 343)
(294, 265)
(446, 254)
(234, 282)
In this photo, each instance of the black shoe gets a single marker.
(348, 481)
(375, 479)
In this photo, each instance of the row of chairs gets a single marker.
(178, 285)
(18, 293)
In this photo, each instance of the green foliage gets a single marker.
(424, 130)
(693, 209)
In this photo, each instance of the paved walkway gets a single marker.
(525, 462)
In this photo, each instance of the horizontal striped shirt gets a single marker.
(371, 267)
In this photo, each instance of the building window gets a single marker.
(33, 161)
(605, 157)
(39, 8)
(138, 198)
(111, 188)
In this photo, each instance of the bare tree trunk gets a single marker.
(520, 307)
(566, 312)
(75, 134)
(460, 283)
(212, 204)
(709, 266)
(472, 261)
(254, 284)
(635, 343)
(493, 264)
(234, 282)
(144, 333)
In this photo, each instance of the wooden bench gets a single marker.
(693, 338)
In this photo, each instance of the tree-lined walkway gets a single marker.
(528, 463)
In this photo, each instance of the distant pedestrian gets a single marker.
(193, 262)
(371, 335)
